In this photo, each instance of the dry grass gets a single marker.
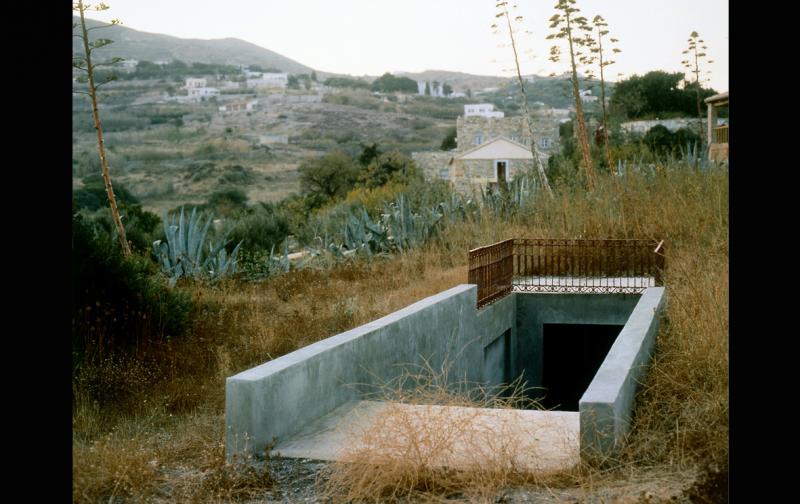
(435, 439)
(681, 423)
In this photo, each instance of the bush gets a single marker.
(391, 166)
(119, 306)
(328, 178)
(227, 202)
(263, 228)
(141, 227)
(662, 141)
(93, 196)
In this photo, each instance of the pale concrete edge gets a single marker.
(263, 370)
(604, 410)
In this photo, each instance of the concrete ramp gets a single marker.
(441, 436)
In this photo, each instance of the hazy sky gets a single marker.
(360, 37)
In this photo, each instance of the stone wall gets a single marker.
(434, 164)
(642, 127)
(545, 129)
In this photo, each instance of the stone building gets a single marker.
(490, 149)
(489, 164)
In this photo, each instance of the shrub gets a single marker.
(328, 177)
(227, 202)
(391, 166)
(118, 304)
(264, 228)
(93, 196)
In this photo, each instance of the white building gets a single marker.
(587, 97)
(128, 65)
(237, 106)
(482, 110)
(269, 80)
(202, 93)
(192, 83)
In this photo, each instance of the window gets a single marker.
(444, 173)
(545, 143)
(478, 140)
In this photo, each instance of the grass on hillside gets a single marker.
(164, 441)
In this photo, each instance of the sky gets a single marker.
(371, 37)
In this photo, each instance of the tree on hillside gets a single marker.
(369, 152)
(314, 75)
(388, 83)
(85, 64)
(537, 162)
(327, 178)
(566, 23)
(697, 52)
(342, 82)
(449, 142)
(392, 166)
(655, 94)
(427, 88)
(447, 89)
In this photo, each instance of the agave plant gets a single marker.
(184, 253)
(277, 264)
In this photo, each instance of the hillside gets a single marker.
(459, 80)
(139, 45)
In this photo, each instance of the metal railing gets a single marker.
(721, 134)
(561, 265)
(492, 268)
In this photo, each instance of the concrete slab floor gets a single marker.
(441, 436)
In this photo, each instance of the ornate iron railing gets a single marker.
(563, 265)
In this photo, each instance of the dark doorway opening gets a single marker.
(572, 354)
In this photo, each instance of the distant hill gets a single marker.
(139, 45)
(459, 80)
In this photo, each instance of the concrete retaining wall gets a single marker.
(278, 398)
(607, 405)
(494, 345)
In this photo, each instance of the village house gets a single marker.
(127, 66)
(239, 106)
(587, 96)
(192, 83)
(491, 148)
(482, 110)
(268, 80)
(202, 93)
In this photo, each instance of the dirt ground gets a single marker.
(296, 481)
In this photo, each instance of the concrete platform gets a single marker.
(442, 436)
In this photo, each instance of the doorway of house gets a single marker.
(500, 171)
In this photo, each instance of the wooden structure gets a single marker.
(717, 135)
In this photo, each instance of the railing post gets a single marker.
(660, 253)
